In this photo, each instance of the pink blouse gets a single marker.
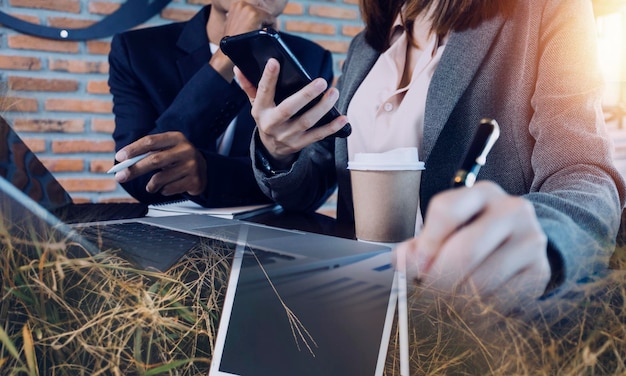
(386, 116)
(383, 115)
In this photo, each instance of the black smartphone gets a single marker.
(251, 51)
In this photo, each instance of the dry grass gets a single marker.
(98, 315)
(582, 333)
(91, 316)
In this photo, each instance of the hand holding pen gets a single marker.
(175, 165)
(479, 242)
(127, 163)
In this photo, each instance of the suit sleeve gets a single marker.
(201, 110)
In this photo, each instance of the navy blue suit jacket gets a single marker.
(161, 81)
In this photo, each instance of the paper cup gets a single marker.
(386, 196)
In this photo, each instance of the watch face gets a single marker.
(129, 14)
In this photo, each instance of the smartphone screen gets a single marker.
(251, 51)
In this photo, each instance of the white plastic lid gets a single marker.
(396, 159)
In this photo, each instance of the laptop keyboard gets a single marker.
(134, 235)
(95, 212)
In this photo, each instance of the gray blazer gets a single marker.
(536, 74)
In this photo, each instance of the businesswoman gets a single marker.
(546, 208)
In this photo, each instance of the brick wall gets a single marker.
(55, 92)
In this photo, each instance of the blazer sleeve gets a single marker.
(577, 193)
(201, 110)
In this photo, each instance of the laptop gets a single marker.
(20, 166)
(338, 292)
(296, 302)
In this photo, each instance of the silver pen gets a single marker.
(127, 163)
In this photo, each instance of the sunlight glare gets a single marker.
(611, 49)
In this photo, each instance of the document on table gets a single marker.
(190, 207)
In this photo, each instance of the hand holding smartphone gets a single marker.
(251, 51)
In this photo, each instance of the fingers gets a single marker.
(448, 212)
(281, 131)
(177, 179)
(184, 175)
(243, 17)
(406, 258)
(266, 89)
(247, 86)
(179, 166)
(479, 242)
(519, 249)
(155, 142)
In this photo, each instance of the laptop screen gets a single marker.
(20, 166)
(329, 322)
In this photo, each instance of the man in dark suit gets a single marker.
(174, 95)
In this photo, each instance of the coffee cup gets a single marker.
(385, 193)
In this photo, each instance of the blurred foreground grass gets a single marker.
(99, 316)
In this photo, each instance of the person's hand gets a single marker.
(243, 17)
(240, 18)
(282, 135)
(180, 166)
(479, 241)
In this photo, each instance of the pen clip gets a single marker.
(485, 137)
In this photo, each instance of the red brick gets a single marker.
(40, 84)
(174, 14)
(20, 63)
(63, 164)
(70, 6)
(98, 87)
(101, 7)
(18, 104)
(27, 42)
(81, 184)
(102, 125)
(334, 45)
(46, 125)
(309, 27)
(351, 31)
(333, 12)
(100, 166)
(27, 18)
(294, 9)
(355, 2)
(78, 105)
(98, 47)
(79, 66)
(37, 145)
(82, 146)
(69, 23)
